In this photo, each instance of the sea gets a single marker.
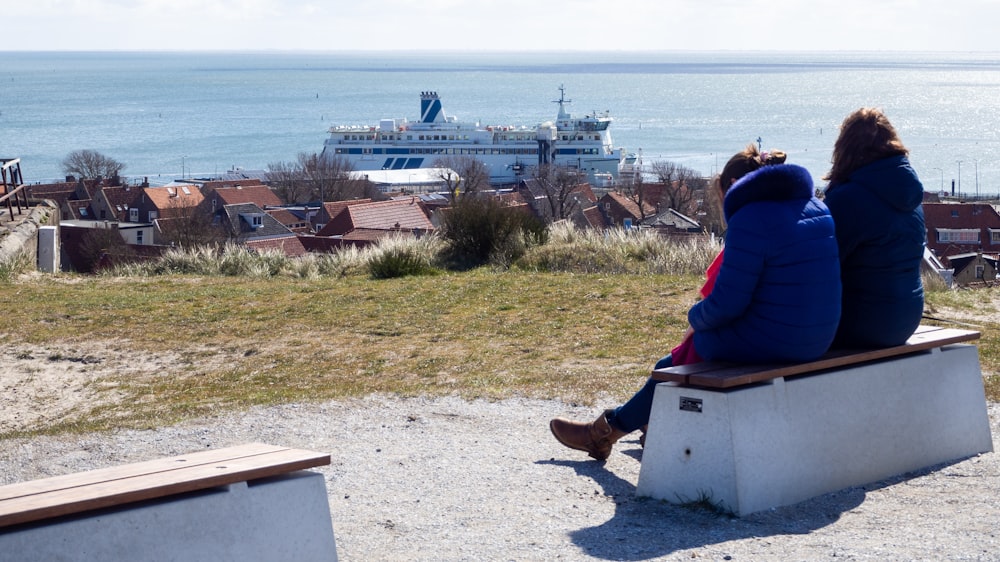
(168, 115)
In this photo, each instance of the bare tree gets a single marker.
(639, 192)
(558, 186)
(190, 226)
(314, 178)
(288, 182)
(90, 164)
(328, 178)
(680, 187)
(473, 175)
(99, 244)
(711, 216)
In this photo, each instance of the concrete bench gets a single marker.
(250, 502)
(752, 437)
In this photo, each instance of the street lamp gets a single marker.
(959, 177)
(977, 179)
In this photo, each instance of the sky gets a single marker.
(500, 25)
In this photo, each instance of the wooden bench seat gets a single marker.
(75, 493)
(716, 374)
(249, 502)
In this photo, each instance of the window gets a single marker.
(152, 216)
(980, 270)
(958, 235)
(995, 235)
(133, 215)
(138, 236)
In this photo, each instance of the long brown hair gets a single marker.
(866, 136)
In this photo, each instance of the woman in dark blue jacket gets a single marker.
(875, 198)
(776, 298)
(776, 295)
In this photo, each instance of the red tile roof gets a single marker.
(961, 216)
(403, 214)
(166, 199)
(289, 245)
(260, 195)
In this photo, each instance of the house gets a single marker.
(331, 209)
(83, 241)
(171, 201)
(293, 220)
(383, 217)
(113, 203)
(252, 227)
(166, 207)
(958, 229)
(218, 194)
(71, 197)
(974, 268)
(671, 222)
(621, 211)
(59, 193)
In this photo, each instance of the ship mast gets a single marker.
(561, 101)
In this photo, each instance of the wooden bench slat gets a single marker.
(135, 469)
(731, 375)
(33, 501)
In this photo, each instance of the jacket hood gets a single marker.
(892, 180)
(770, 183)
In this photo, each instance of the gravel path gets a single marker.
(447, 479)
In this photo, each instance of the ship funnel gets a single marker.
(430, 108)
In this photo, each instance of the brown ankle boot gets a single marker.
(596, 437)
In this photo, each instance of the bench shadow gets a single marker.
(645, 528)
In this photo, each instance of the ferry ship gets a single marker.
(510, 153)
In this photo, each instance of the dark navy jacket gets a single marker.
(881, 233)
(777, 297)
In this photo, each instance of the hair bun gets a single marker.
(772, 157)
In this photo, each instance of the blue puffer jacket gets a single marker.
(777, 297)
(881, 233)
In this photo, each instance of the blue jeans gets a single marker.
(634, 414)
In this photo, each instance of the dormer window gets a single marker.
(958, 235)
(254, 220)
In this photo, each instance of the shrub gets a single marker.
(479, 231)
(396, 263)
(399, 256)
(933, 282)
(619, 251)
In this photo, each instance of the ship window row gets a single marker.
(568, 138)
(442, 150)
(443, 137)
(464, 151)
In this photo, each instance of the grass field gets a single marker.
(236, 342)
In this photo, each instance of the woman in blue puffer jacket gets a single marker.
(776, 297)
(876, 200)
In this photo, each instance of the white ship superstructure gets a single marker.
(509, 152)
